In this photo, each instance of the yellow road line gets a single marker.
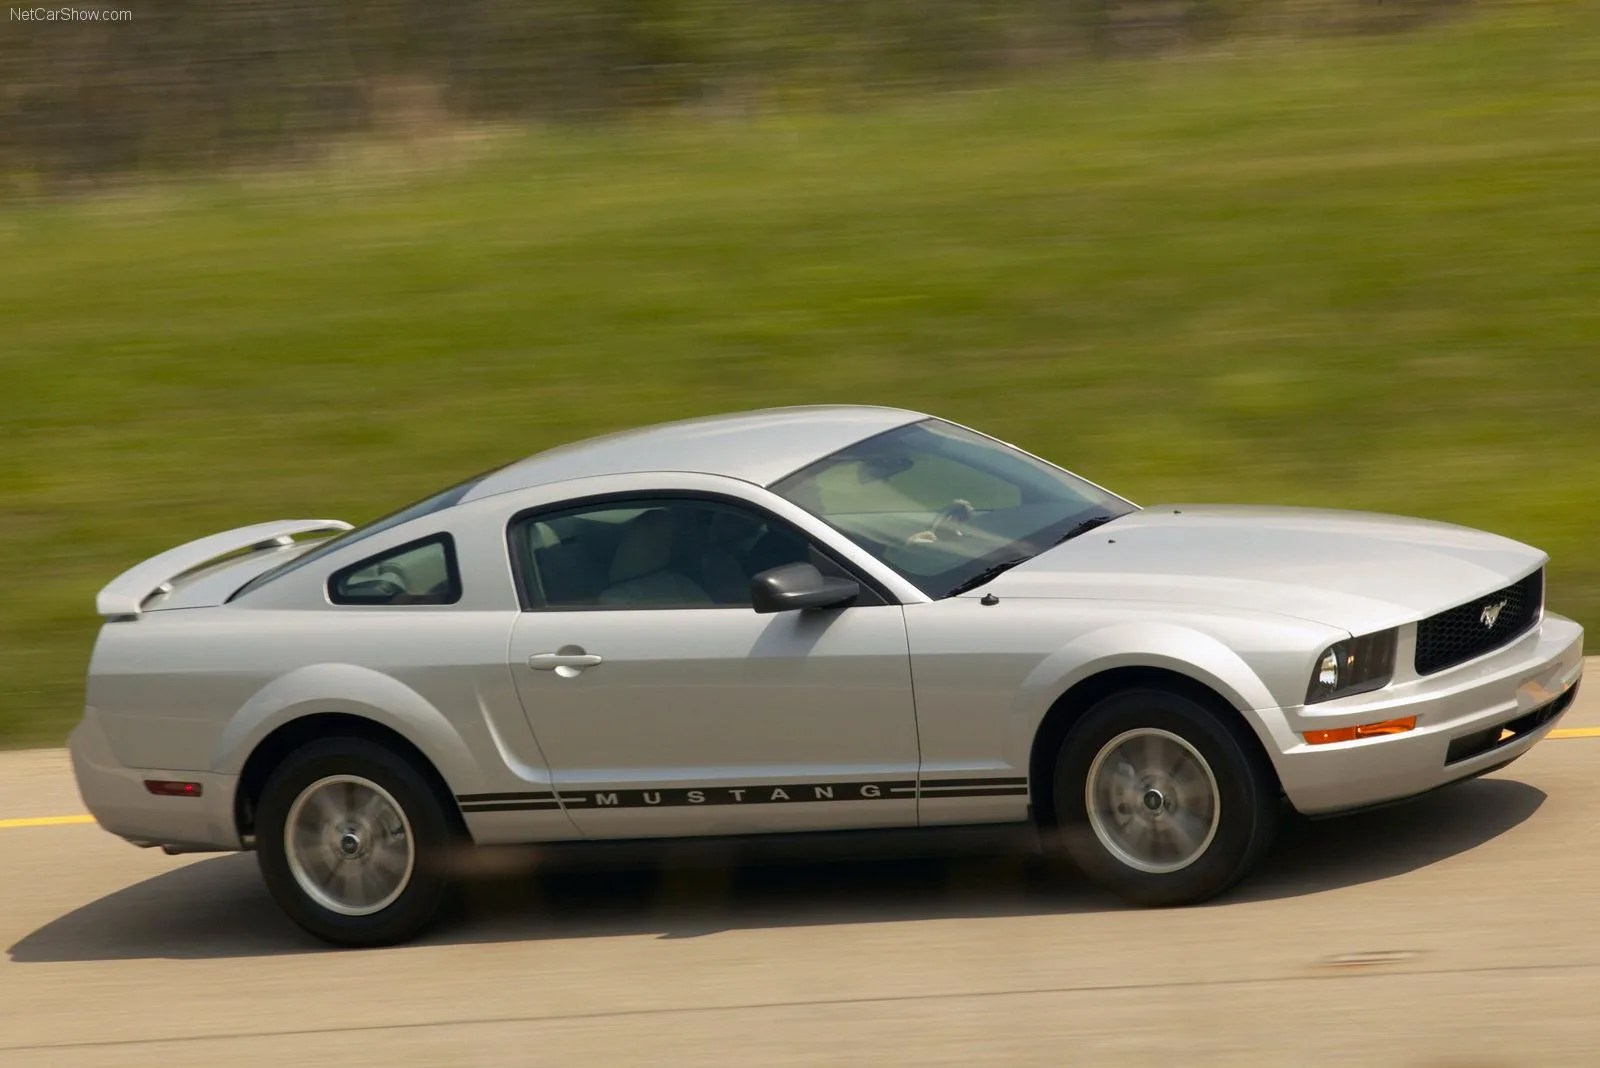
(63, 821)
(45, 821)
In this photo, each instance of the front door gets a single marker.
(666, 706)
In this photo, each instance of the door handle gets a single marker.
(574, 662)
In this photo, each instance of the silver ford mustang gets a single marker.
(807, 619)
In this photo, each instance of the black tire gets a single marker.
(432, 837)
(1246, 802)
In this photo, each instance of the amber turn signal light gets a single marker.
(1365, 730)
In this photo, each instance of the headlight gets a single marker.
(1354, 665)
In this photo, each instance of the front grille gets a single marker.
(1485, 623)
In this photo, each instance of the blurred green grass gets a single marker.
(1356, 273)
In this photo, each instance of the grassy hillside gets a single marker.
(1359, 273)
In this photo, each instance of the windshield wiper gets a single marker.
(1086, 526)
(987, 575)
(994, 571)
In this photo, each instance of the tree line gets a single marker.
(192, 84)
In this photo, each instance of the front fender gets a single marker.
(1183, 650)
(356, 691)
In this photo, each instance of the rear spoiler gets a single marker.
(127, 593)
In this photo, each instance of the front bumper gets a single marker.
(1462, 716)
(116, 796)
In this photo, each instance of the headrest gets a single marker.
(646, 546)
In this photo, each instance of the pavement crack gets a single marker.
(759, 1006)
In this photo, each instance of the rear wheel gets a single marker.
(1161, 799)
(352, 841)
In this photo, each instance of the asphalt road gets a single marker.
(1459, 931)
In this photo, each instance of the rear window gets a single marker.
(427, 506)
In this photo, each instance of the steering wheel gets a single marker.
(949, 524)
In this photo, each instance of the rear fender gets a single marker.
(356, 691)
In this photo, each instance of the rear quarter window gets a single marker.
(419, 572)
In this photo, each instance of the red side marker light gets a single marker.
(171, 788)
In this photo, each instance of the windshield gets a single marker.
(945, 506)
(427, 506)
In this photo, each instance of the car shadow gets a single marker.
(218, 907)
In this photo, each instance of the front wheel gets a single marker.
(351, 841)
(1161, 799)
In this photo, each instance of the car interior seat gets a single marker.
(570, 571)
(641, 570)
(727, 539)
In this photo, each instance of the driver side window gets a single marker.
(653, 553)
(419, 572)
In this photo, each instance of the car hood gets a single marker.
(1355, 571)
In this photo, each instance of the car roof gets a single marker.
(760, 447)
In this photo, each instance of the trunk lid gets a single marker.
(205, 571)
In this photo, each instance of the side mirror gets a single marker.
(794, 586)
